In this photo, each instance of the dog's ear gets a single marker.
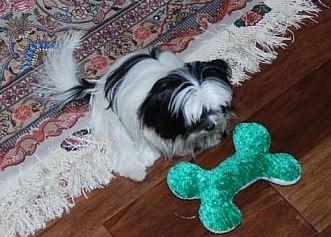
(154, 112)
(218, 68)
(219, 63)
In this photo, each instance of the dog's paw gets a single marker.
(135, 172)
(137, 175)
(148, 157)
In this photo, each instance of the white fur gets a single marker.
(61, 66)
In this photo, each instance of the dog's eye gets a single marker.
(203, 125)
(225, 109)
(209, 126)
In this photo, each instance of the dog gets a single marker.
(150, 103)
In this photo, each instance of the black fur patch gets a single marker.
(217, 69)
(154, 111)
(80, 92)
(115, 79)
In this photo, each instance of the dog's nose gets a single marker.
(210, 126)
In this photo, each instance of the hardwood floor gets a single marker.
(292, 98)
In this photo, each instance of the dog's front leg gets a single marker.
(120, 147)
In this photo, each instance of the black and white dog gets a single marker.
(150, 103)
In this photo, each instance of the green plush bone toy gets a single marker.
(217, 187)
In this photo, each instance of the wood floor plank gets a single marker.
(100, 231)
(312, 195)
(326, 232)
(169, 216)
(299, 121)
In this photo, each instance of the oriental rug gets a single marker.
(40, 174)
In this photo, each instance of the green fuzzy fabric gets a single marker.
(217, 187)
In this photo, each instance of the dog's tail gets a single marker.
(62, 82)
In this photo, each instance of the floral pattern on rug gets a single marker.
(49, 127)
(253, 16)
(29, 26)
(112, 29)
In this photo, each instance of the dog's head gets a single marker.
(192, 103)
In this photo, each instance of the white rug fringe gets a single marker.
(245, 48)
(71, 174)
(52, 190)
